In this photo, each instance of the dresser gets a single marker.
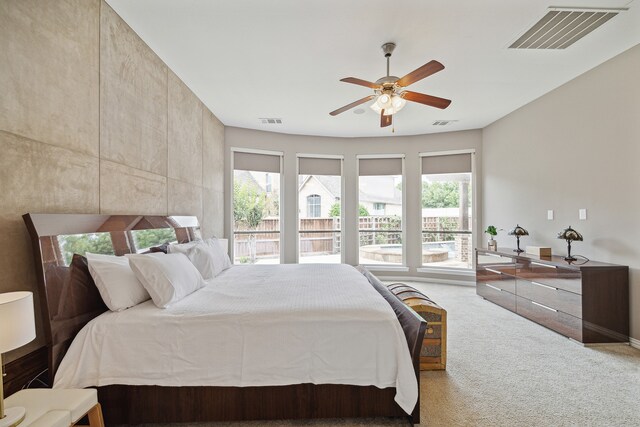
(587, 302)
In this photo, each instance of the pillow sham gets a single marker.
(220, 253)
(206, 255)
(167, 277)
(116, 282)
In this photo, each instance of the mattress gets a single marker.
(252, 325)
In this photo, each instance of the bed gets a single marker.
(262, 342)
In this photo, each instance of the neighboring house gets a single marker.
(317, 193)
(380, 195)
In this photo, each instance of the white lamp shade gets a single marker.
(17, 324)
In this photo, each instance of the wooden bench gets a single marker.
(434, 346)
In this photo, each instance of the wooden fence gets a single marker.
(384, 230)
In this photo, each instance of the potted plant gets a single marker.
(492, 231)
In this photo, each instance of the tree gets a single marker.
(440, 195)
(96, 243)
(148, 238)
(248, 210)
(335, 210)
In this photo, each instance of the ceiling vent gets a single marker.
(270, 121)
(561, 27)
(443, 122)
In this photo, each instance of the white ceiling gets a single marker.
(248, 59)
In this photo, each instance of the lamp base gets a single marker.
(518, 250)
(570, 258)
(12, 416)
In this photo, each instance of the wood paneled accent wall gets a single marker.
(93, 121)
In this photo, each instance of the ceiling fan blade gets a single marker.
(385, 120)
(361, 82)
(353, 104)
(432, 101)
(426, 70)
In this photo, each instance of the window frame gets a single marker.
(403, 220)
(281, 211)
(341, 200)
(422, 268)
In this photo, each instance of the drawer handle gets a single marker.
(543, 265)
(544, 286)
(493, 287)
(544, 306)
(493, 271)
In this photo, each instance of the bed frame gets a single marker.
(67, 304)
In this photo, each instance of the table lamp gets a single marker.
(17, 328)
(569, 234)
(518, 231)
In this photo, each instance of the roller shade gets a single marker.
(370, 167)
(318, 166)
(256, 162)
(452, 163)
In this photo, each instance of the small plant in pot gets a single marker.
(492, 245)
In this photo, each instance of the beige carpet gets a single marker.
(504, 370)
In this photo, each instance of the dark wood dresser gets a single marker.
(586, 302)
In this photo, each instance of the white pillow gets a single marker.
(118, 286)
(168, 278)
(220, 253)
(182, 248)
(207, 256)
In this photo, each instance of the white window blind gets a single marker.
(372, 167)
(319, 166)
(451, 163)
(256, 162)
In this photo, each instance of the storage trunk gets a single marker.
(434, 346)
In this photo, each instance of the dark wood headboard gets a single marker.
(67, 301)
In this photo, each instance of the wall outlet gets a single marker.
(550, 214)
(582, 214)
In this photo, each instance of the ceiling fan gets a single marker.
(389, 92)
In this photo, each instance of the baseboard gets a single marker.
(386, 278)
(634, 343)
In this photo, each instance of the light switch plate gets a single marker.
(582, 214)
(550, 214)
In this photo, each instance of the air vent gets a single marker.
(562, 27)
(270, 121)
(443, 122)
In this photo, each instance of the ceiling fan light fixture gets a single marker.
(398, 102)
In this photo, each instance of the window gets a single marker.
(447, 211)
(313, 206)
(319, 231)
(380, 211)
(269, 187)
(256, 208)
(378, 208)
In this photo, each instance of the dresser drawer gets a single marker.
(500, 280)
(550, 296)
(558, 321)
(558, 277)
(496, 262)
(496, 295)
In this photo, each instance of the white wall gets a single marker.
(290, 145)
(576, 147)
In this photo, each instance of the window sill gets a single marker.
(377, 267)
(447, 270)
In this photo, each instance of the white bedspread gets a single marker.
(255, 325)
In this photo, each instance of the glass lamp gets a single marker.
(570, 235)
(518, 231)
(390, 104)
(18, 328)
